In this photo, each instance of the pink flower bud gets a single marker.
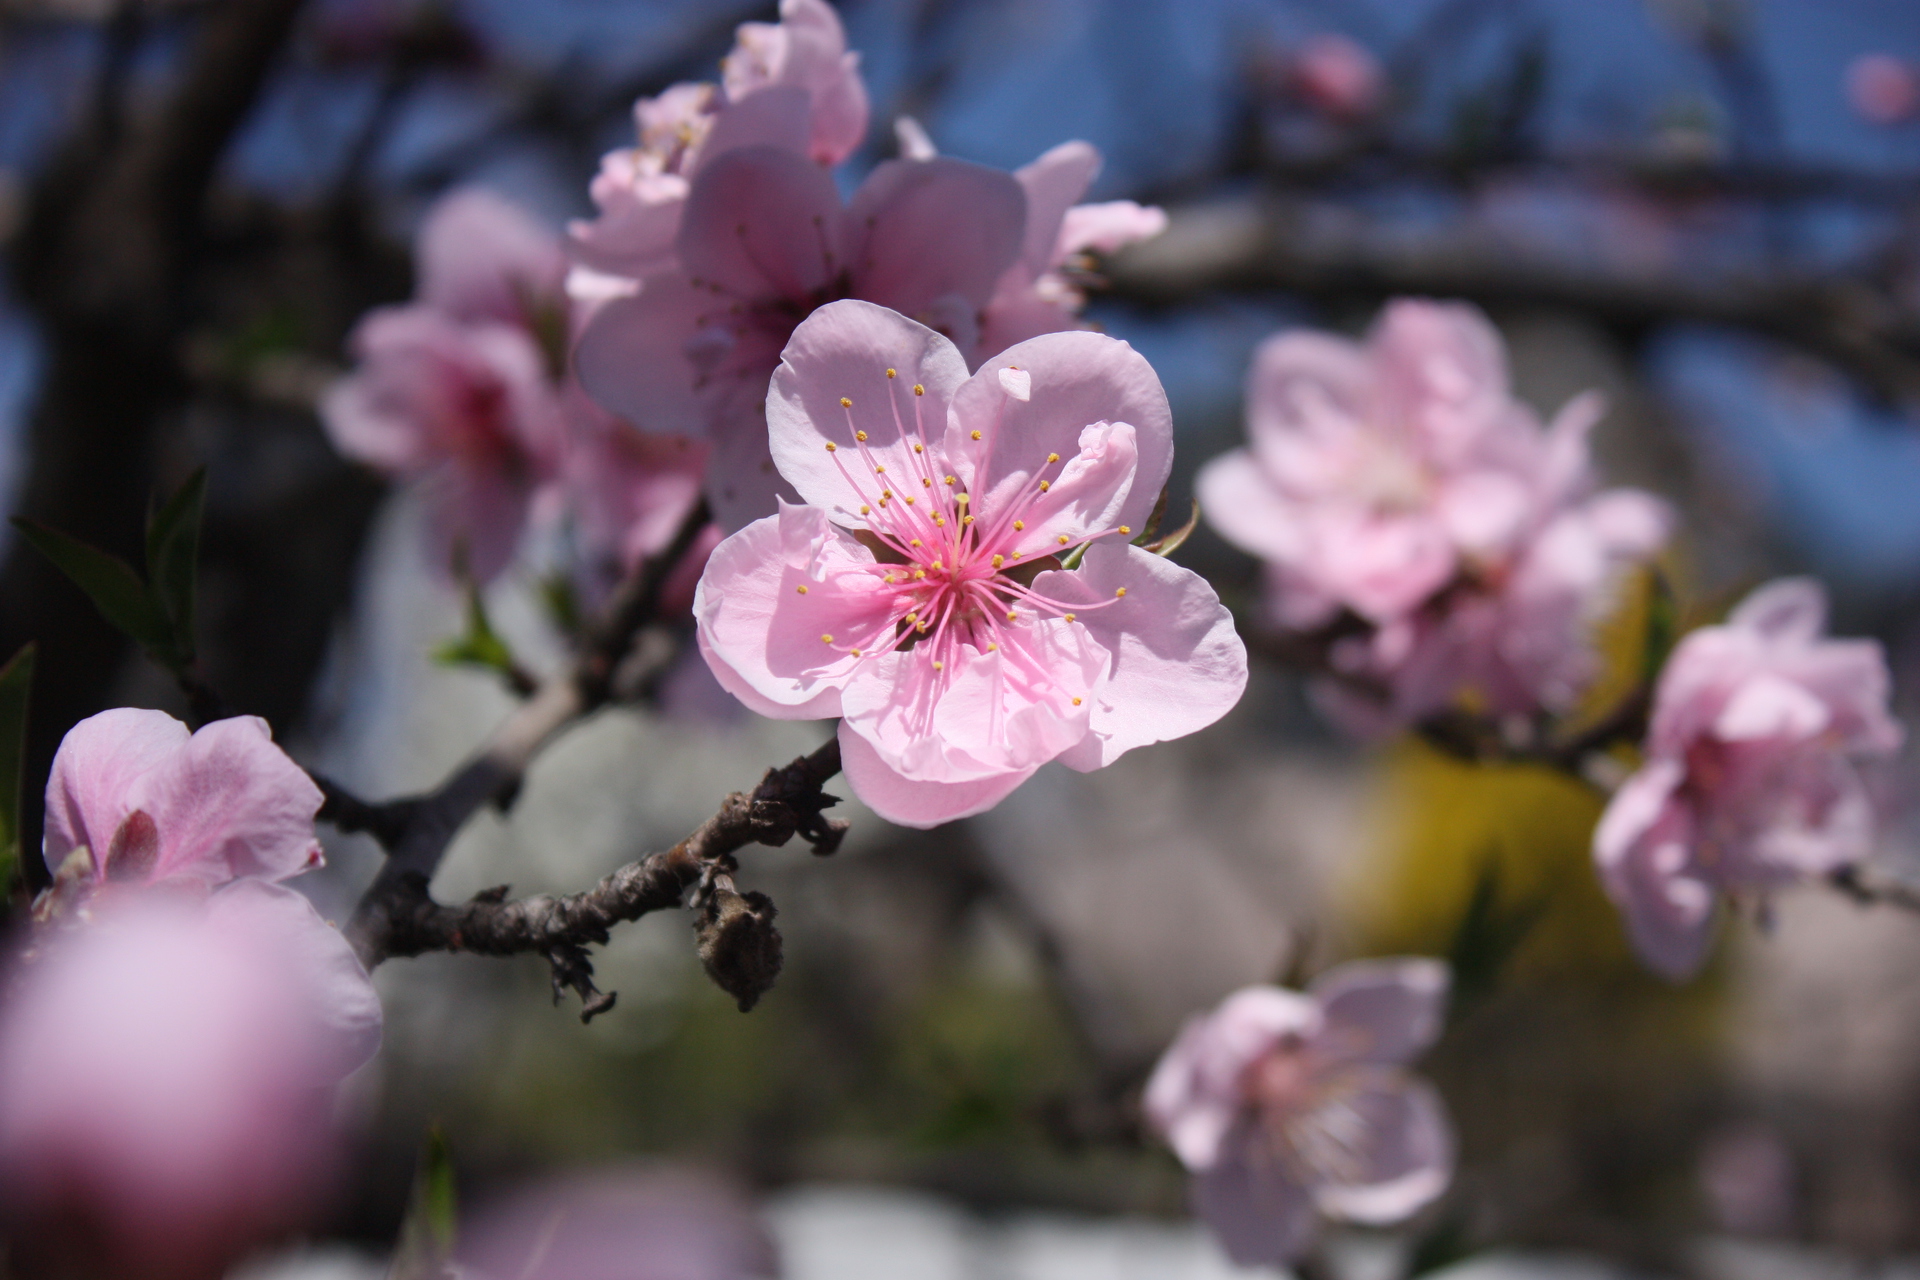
(1883, 89)
(1335, 75)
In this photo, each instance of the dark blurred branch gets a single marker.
(1870, 892)
(1253, 244)
(737, 940)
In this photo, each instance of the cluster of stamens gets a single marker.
(954, 575)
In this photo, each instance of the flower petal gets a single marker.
(1381, 1011)
(1245, 507)
(632, 359)
(1078, 379)
(761, 224)
(230, 804)
(1261, 1216)
(90, 790)
(917, 804)
(1789, 609)
(924, 230)
(1107, 226)
(763, 635)
(1390, 1145)
(1197, 1090)
(1053, 183)
(1178, 663)
(1306, 389)
(843, 352)
(479, 257)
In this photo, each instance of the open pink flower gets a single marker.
(166, 1076)
(766, 240)
(922, 593)
(1750, 781)
(1287, 1105)
(1400, 485)
(152, 802)
(791, 85)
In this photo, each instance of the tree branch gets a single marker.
(738, 943)
(1853, 882)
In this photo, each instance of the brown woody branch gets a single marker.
(738, 943)
(1855, 884)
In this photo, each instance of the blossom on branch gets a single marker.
(167, 1068)
(1286, 1105)
(960, 585)
(790, 85)
(147, 802)
(1751, 780)
(1410, 508)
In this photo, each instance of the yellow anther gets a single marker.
(856, 653)
(919, 390)
(1125, 529)
(801, 589)
(1045, 485)
(938, 565)
(998, 561)
(1122, 591)
(880, 471)
(1064, 539)
(884, 495)
(825, 638)
(1016, 555)
(861, 436)
(909, 499)
(966, 519)
(992, 647)
(889, 579)
(941, 521)
(922, 628)
(1053, 457)
(845, 403)
(1019, 525)
(1069, 617)
(865, 510)
(919, 448)
(832, 447)
(925, 483)
(889, 373)
(919, 573)
(939, 665)
(1012, 616)
(1076, 702)
(914, 543)
(976, 435)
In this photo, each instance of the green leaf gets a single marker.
(1486, 940)
(563, 603)
(16, 681)
(173, 557)
(480, 645)
(112, 585)
(1167, 545)
(427, 1233)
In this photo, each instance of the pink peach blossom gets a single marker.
(1286, 1105)
(152, 802)
(166, 1071)
(1333, 74)
(479, 258)
(628, 490)
(1883, 89)
(791, 85)
(765, 240)
(1036, 295)
(1751, 779)
(922, 595)
(1399, 485)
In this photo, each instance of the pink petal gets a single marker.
(773, 117)
(90, 791)
(1643, 847)
(1107, 226)
(1261, 1216)
(1086, 495)
(1634, 810)
(1403, 1159)
(1789, 609)
(1381, 1011)
(633, 236)
(1770, 707)
(1053, 184)
(806, 50)
(1197, 1090)
(923, 231)
(917, 804)
(1381, 564)
(632, 358)
(478, 257)
(742, 482)
(1078, 379)
(1178, 663)
(230, 804)
(761, 225)
(1242, 504)
(843, 351)
(1305, 386)
(762, 635)
(1444, 370)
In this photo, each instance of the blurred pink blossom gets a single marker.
(904, 598)
(633, 1223)
(790, 85)
(1751, 781)
(1335, 75)
(1286, 1105)
(166, 1075)
(1399, 485)
(151, 802)
(1883, 89)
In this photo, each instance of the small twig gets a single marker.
(738, 944)
(1852, 881)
